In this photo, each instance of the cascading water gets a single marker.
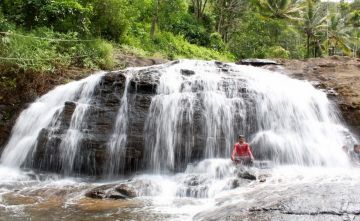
(286, 120)
(45, 111)
(116, 145)
(178, 122)
(70, 143)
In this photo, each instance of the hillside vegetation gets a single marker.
(46, 36)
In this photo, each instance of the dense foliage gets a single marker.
(49, 34)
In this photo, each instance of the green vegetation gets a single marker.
(48, 35)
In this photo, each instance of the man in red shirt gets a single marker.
(242, 153)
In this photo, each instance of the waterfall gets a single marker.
(116, 146)
(70, 143)
(191, 110)
(285, 120)
(45, 111)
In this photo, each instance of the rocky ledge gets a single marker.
(338, 76)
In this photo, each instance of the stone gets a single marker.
(257, 62)
(262, 178)
(234, 183)
(125, 190)
(186, 72)
(245, 173)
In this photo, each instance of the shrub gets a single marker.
(111, 18)
(216, 42)
(61, 15)
(277, 52)
(41, 51)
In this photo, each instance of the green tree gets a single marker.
(279, 9)
(199, 7)
(111, 18)
(338, 35)
(314, 22)
(228, 14)
(61, 15)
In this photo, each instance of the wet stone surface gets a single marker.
(308, 201)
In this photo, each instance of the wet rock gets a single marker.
(187, 72)
(125, 190)
(116, 195)
(193, 186)
(111, 192)
(262, 178)
(257, 62)
(305, 201)
(338, 77)
(98, 192)
(245, 173)
(235, 183)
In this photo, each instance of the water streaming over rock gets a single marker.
(117, 142)
(201, 107)
(177, 122)
(164, 117)
(44, 112)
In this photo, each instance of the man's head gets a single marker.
(241, 138)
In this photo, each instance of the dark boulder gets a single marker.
(186, 72)
(126, 190)
(99, 192)
(245, 173)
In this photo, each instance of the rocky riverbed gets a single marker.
(217, 193)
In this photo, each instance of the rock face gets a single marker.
(91, 157)
(31, 85)
(333, 75)
(338, 76)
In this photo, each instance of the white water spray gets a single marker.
(286, 120)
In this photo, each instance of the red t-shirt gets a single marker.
(241, 150)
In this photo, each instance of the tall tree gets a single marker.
(155, 18)
(338, 35)
(314, 21)
(279, 9)
(228, 14)
(199, 8)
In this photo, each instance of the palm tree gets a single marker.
(314, 21)
(339, 35)
(279, 9)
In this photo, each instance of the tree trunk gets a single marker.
(154, 19)
(308, 46)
